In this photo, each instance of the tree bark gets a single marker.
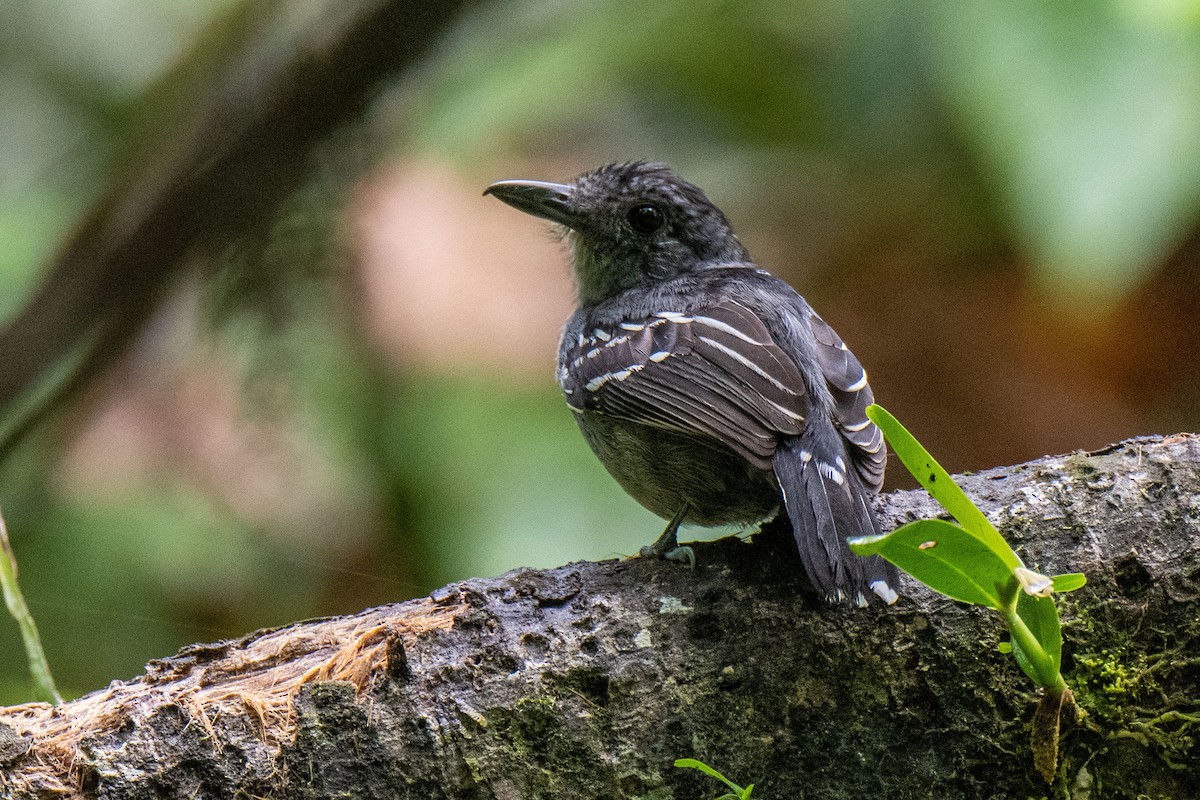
(587, 681)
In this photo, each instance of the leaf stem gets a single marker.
(39, 667)
(1047, 676)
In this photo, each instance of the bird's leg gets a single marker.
(667, 545)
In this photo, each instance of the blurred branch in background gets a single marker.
(341, 391)
(223, 140)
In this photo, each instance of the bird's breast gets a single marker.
(665, 469)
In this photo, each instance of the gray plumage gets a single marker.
(708, 387)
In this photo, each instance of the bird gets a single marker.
(708, 387)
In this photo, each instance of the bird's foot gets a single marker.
(667, 545)
(679, 553)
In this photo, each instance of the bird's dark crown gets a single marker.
(640, 223)
(630, 224)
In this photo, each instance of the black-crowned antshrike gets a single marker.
(708, 387)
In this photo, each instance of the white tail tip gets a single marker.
(886, 593)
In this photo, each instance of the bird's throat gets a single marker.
(598, 275)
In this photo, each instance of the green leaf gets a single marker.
(1068, 582)
(945, 558)
(1041, 617)
(973, 563)
(691, 763)
(938, 483)
(1024, 663)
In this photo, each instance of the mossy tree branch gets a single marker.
(590, 679)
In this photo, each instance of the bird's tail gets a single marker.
(827, 503)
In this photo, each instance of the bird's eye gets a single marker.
(646, 218)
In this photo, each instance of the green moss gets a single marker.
(529, 727)
(1080, 466)
(1133, 697)
(539, 744)
(1014, 528)
(473, 765)
(1110, 677)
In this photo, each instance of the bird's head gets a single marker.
(629, 225)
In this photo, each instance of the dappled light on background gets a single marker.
(183, 417)
(1088, 118)
(449, 284)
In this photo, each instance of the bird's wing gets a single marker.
(714, 372)
(847, 382)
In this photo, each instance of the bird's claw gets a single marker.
(679, 553)
(683, 555)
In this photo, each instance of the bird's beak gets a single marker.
(546, 200)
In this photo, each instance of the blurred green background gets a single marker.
(996, 204)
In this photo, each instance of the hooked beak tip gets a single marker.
(546, 200)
